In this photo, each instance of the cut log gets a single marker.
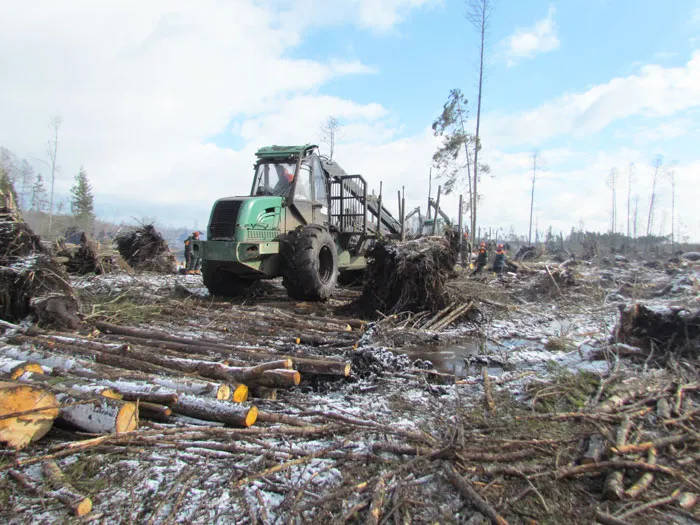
(155, 412)
(277, 379)
(65, 384)
(104, 358)
(232, 354)
(306, 366)
(212, 410)
(110, 376)
(97, 415)
(15, 368)
(26, 413)
(64, 491)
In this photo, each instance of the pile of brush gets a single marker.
(87, 258)
(31, 281)
(146, 249)
(408, 276)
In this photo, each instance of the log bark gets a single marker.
(277, 379)
(67, 384)
(212, 410)
(82, 508)
(164, 340)
(64, 491)
(100, 357)
(154, 411)
(26, 413)
(117, 377)
(15, 367)
(97, 415)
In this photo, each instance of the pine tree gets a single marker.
(455, 155)
(40, 198)
(82, 202)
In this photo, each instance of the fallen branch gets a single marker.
(467, 491)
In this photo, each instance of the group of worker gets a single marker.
(482, 258)
(192, 259)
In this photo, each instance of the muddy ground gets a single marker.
(386, 444)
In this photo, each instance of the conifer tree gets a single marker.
(82, 202)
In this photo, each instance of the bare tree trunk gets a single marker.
(479, 15)
(469, 175)
(629, 195)
(650, 218)
(636, 216)
(672, 174)
(612, 183)
(55, 125)
(532, 195)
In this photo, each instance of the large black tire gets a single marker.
(310, 259)
(222, 283)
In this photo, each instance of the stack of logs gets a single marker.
(105, 381)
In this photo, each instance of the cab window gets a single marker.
(319, 178)
(303, 183)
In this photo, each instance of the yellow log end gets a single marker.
(111, 394)
(297, 340)
(348, 366)
(84, 507)
(348, 328)
(297, 377)
(252, 416)
(223, 393)
(240, 393)
(27, 367)
(127, 419)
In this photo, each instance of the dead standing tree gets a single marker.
(478, 14)
(612, 184)
(329, 133)
(630, 175)
(671, 174)
(650, 219)
(536, 165)
(52, 151)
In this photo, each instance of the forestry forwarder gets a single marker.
(305, 220)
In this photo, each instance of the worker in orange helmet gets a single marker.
(499, 261)
(481, 259)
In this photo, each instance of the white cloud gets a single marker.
(141, 87)
(655, 91)
(528, 42)
(376, 15)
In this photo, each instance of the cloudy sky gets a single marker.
(164, 102)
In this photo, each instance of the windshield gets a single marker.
(274, 178)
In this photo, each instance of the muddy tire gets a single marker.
(310, 260)
(222, 283)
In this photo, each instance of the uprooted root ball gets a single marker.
(27, 271)
(146, 249)
(408, 276)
